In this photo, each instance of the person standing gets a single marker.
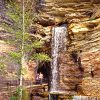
(41, 78)
(37, 79)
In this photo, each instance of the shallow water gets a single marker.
(84, 98)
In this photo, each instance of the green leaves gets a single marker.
(16, 95)
(23, 71)
(37, 44)
(41, 57)
(25, 94)
(3, 67)
(13, 98)
(29, 45)
(15, 55)
(22, 19)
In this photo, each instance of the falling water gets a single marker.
(84, 98)
(58, 44)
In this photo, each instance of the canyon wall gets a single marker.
(79, 65)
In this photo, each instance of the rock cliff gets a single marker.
(80, 64)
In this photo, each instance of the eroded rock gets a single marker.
(79, 65)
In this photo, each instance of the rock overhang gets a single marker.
(54, 12)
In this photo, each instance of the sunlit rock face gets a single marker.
(79, 66)
(59, 11)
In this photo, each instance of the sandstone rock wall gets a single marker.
(80, 64)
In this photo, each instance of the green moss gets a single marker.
(25, 95)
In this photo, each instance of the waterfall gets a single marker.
(84, 98)
(58, 44)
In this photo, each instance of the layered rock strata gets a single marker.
(79, 65)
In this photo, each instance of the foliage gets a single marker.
(21, 39)
(3, 68)
(41, 57)
(13, 98)
(16, 56)
(25, 94)
(20, 20)
(14, 13)
(37, 44)
(3, 65)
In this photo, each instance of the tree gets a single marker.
(22, 16)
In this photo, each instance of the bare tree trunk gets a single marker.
(22, 51)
